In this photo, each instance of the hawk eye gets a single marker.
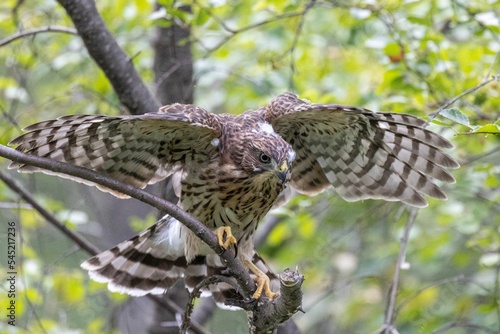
(264, 158)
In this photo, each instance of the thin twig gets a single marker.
(462, 324)
(389, 316)
(186, 318)
(36, 31)
(494, 34)
(388, 19)
(296, 37)
(459, 96)
(234, 32)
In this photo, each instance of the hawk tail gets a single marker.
(140, 265)
(152, 261)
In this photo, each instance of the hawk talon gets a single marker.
(262, 281)
(249, 301)
(235, 251)
(235, 246)
(222, 252)
(230, 240)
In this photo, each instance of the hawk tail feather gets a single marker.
(144, 264)
(137, 266)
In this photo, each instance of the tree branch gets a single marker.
(83, 243)
(266, 313)
(266, 317)
(235, 267)
(389, 316)
(106, 52)
(196, 293)
(36, 31)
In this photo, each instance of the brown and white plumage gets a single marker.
(230, 170)
(360, 153)
(138, 150)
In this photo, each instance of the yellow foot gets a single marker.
(262, 281)
(230, 240)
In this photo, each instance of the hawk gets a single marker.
(230, 170)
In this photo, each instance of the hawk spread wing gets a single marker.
(230, 170)
(137, 150)
(362, 154)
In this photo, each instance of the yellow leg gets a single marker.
(262, 281)
(230, 240)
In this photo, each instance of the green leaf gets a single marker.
(488, 128)
(456, 115)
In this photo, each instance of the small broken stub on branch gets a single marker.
(266, 315)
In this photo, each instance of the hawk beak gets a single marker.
(282, 172)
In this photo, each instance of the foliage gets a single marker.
(404, 56)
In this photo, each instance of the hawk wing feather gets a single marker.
(137, 150)
(362, 154)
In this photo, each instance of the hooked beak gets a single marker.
(282, 172)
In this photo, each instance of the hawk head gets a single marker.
(262, 152)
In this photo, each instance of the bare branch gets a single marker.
(79, 240)
(106, 52)
(36, 31)
(389, 316)
(196, 293)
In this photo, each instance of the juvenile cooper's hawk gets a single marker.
(229, 171)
